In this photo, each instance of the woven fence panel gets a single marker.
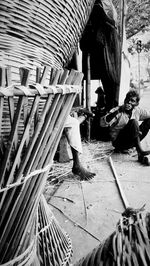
(36, 32)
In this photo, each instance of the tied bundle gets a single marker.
(32, 118)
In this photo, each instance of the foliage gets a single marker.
(133, 46)
(137, 17)
(137, 20)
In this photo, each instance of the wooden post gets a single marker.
(139, 72)
(122, 20)
(88, 94)
(122, 34)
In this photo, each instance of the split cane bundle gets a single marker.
(32, 119)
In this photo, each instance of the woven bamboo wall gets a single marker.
(35, 32)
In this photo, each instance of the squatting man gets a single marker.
(125, 130)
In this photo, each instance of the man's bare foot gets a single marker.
(145, 160)
(82, 173)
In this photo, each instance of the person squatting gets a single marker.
(125, 130)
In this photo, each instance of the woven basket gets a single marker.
(35, 32)
(128, 245)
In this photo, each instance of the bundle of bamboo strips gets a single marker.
(54, 245)
(33, 117)
(129, 245)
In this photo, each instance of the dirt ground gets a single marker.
(89, 210)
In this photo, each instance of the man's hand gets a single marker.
(85, 112)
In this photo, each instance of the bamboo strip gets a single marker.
(121, 192)
(63, 77)
(10, 99)
(24, 76)
(2, 83)
(2, 76)
(43, 242)
(1, 115)
(11, 103)
(31, 90)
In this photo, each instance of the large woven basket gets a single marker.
(40, 32)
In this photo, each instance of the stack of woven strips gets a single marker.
(54, 245)
(40, 32)
(129, 245)
(32, 118)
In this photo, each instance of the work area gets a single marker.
(90, 210)
(74, 133)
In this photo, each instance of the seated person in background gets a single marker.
(72, 132)
(125, 131)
